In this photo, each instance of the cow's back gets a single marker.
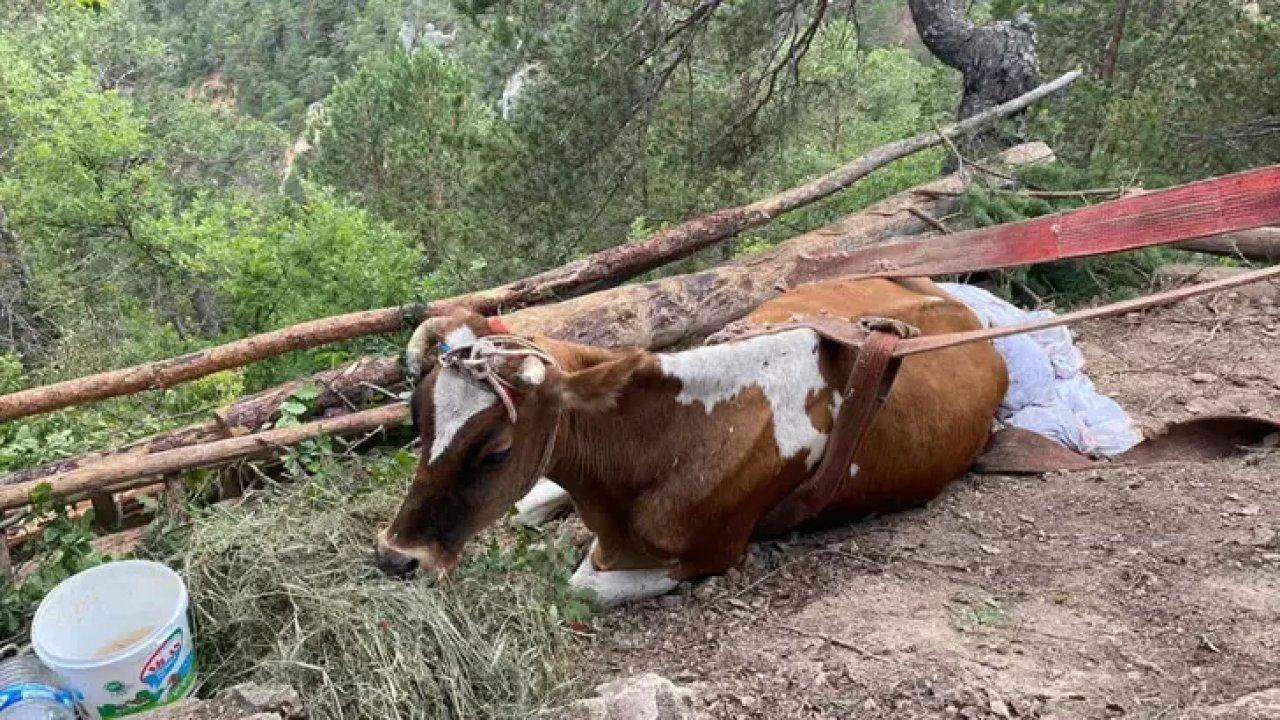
(938, 415)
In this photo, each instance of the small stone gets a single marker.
(1203, 377)
(989, 549)
(641, 697)
(707, 589)
(999, 707)
(671, 602)
(1198, 406)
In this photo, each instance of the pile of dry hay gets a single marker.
(283, 591)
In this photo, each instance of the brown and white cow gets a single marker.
(675, 460)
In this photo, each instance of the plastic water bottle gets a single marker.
(30, 691)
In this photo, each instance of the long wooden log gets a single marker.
(351, 387)
(607, 266)
(117, 473)
(652, 315)
(1261, 245)
(673, 310)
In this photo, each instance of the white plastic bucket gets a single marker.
(119, 638)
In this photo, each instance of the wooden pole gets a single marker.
(111, 474)
(609, 266)
(1261, 245)
(351, 387)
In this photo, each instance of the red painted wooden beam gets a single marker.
(1209, 207)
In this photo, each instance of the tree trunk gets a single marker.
(997, 60)
(605, 268)
(1111, 56)
(1261, 245)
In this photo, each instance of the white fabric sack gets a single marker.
(1049, 394)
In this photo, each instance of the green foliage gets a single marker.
(61, 549)
(307, 456)
(535, 553)
(162, 214)
(1191, 89)
(10, 373)
(405, 137)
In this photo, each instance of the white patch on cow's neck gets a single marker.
(783, 365)
(456, 400)
(460, 336)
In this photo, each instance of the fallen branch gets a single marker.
(121, 473)
(610, 266)
(352, 386)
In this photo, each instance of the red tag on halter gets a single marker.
(496, 325)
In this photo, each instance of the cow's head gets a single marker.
(481, 452)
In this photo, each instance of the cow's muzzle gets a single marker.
(403, 563)
(394, 564)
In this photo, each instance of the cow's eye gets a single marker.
(495, 458)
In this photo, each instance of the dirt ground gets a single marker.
(1151, 593)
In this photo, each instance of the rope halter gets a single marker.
(482, 362)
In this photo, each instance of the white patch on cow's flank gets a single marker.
(460, 336)
(853, 470)
(615, 587)
(783, 365)
(457, 400)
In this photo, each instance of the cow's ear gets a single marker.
(594, 388)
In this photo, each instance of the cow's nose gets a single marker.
(394, 564)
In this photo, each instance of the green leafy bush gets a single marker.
(59, 550)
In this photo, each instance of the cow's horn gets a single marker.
(427, 332)
(531, 373)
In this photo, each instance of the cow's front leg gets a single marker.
(542, 503)
(617, 587)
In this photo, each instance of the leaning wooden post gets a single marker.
(106, 510)
(175, 495)
(6, 562)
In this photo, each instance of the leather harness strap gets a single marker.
(873, 373)
(881, 344)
